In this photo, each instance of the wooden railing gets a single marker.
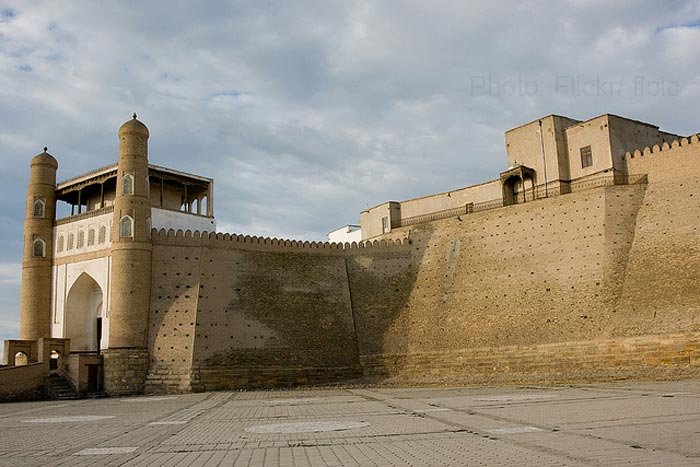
(84, 215)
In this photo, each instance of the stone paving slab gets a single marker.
(643, 423)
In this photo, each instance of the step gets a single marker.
(59, 388)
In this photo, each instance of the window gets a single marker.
(60, 244)
(102, 234)
(385, 224)
(39, 248)
(126, 227)
(91, 237)
(128, 184)
(81, 238)
(71, 239)
(586, 157)
(39, 208)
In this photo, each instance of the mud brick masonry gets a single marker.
(581, 261)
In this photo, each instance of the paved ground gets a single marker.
(603, 424)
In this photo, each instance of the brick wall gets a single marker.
(597, 284)
(229, 312)
(21, 383)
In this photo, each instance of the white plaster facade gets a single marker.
(101, 227)
(346, 234)
(166, 219)
(65, 277)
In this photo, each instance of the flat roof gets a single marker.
(113, 167)
(345, 227)
(638, 122)
(433, 194)
(542, 118)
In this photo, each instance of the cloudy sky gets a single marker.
(307, 112)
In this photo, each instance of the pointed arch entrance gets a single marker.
(84, 314)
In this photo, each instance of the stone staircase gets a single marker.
(58, 388)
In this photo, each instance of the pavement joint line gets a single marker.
(38, 409)
(106, 451)
(69, 419)
(508, 440)
(575, 433)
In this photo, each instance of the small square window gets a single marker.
(586, 157)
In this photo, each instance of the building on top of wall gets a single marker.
(346, 234)
(550, 156)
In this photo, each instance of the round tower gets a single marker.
(131, 266)
(35, 294)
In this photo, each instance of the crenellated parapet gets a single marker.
(657, 148)
(669, 162)
(252, 242)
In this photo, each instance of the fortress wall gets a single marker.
(529, 293)
(596, 284)
(273, 319)
(521, 275)
(661, 290)
(268, 312)
(175, 290)
(382, 283)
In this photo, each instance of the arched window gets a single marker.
(102, 234)
(126, 227)
(53, 361)
(39, 208)
(81, 238)
(39, 248)
(21, 359)
(128, 184)
(71, 239)
(91, 237)
(60, 243)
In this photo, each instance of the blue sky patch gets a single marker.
(7, 13)
(695, 24)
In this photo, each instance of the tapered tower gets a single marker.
(131, 265)
(35, 295)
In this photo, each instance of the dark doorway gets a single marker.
(94, 378)
(512, 186)
(53, 361)
(99, 334)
